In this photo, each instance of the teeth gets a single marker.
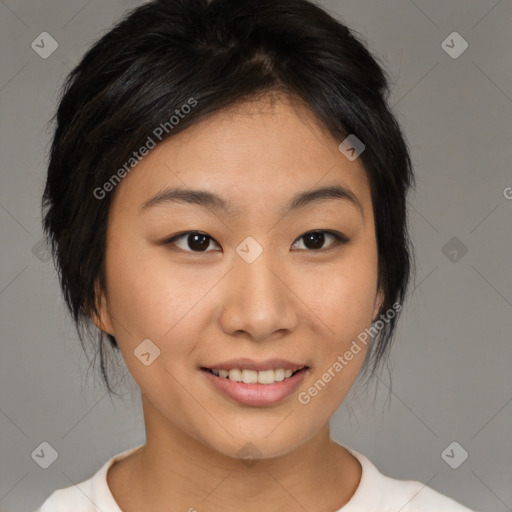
(235, 375)
(253, 377)
(279, 375)
(266, 377)
(249, 376)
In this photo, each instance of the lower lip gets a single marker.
(257, 395)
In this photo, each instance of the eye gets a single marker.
(315, 240)
(192, 241)
(197, 241)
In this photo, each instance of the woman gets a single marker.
(226, 202)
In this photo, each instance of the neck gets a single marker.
(174, 471)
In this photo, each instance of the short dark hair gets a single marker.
(219, 53)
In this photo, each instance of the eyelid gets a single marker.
(171, 240)
(339, 239)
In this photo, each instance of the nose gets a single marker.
(258, 300)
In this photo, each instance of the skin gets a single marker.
(293, 302)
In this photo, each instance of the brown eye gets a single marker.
(192, 241)
(314, 240)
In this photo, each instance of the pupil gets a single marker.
(201, 245)
(316, 238)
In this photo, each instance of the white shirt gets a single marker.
(375, 493)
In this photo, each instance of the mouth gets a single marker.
(256, 384)
(247, 376)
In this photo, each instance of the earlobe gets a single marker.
(102, 320)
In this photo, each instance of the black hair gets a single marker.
(213, 54)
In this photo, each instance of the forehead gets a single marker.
(255, 154)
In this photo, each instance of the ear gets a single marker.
(379, 300)
(103, 320)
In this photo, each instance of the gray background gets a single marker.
(452, 358)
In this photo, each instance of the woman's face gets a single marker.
(256, 291)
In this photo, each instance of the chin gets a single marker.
(253, 441)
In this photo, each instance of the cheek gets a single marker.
(148, 295)
(149, 300)
(342, 295)
(343, 309)
(343, 303)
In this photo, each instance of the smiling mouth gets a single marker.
(254, 376)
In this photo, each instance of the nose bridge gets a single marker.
(257, 274)
(258, 300)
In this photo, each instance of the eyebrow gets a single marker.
(215, 203)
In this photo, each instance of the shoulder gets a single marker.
(380, 493)
(414, 496)
(76, 496)
(91, 495)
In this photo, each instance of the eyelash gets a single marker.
(339, 239)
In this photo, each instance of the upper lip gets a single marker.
(249, 364)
